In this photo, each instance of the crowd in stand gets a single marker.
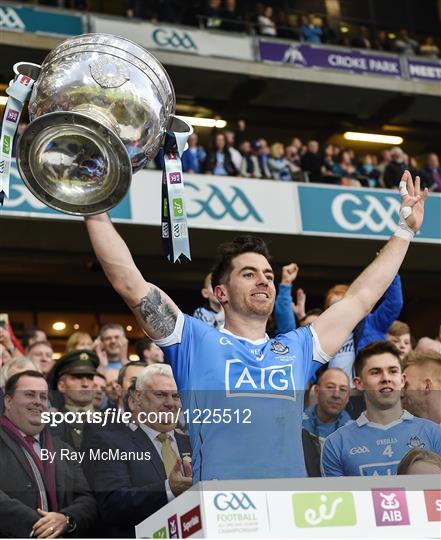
(108, 497)
(233, 153)
(266, 20)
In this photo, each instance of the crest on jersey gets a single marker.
(279, 348)
(415, 442)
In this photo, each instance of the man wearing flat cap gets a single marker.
(73, 378)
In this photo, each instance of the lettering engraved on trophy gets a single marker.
(109, 72)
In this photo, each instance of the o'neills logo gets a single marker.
(191, 522)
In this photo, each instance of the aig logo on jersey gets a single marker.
(273, 381)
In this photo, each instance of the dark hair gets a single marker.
(130, 393)
(377, 347)
(28, 334)
(112, 326)
(12, 382)
(320, 377)
(141, 346)
(45, 343)
(99, 374)
(227, 251)
(125, 367)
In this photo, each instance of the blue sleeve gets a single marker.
(305, 342)
(389, 309)
(283, 313)
(435, 437)
(179, 349)
(305, 31)
(330, 462)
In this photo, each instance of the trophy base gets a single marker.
(73, 163)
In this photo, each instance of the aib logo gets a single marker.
(217, 205)
(12, 115)
(175, 178)
(173, 527)
(233, 501)
(353, 213)
(390, 507)
(172, 39)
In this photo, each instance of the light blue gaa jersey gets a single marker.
(251, 398)
(364, 448)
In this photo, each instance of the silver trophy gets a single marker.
(99, 109)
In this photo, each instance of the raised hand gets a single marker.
(289, 273)
(299, 306)
(412, 201)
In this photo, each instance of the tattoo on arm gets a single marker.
(157, 313)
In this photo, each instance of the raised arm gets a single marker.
(154, 310)
(338, 321)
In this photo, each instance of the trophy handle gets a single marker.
(27, 68)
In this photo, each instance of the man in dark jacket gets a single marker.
(151, 464)
(431, 174)
(39, 496)
(312, 162)
(395, 169)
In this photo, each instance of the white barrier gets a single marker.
(381, 507)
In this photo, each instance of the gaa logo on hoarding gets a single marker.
(172, 39)
(218, 205)
(233, 501)
(353, 213)
(10, 20)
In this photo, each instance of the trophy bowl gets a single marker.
(98, 113)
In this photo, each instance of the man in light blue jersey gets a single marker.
(242, 391)
(376, 442)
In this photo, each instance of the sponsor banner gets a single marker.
(308, 56)
(221, 203)
(236, 514)
(424, 70)
(191, 522)
(214, 202)
(30, 19)
(342, 514)
(178, 38)
(432, 499)
(180, 518)
(361, 213)
(302, 508)
(21, 202)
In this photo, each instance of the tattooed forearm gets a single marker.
(157, 313)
